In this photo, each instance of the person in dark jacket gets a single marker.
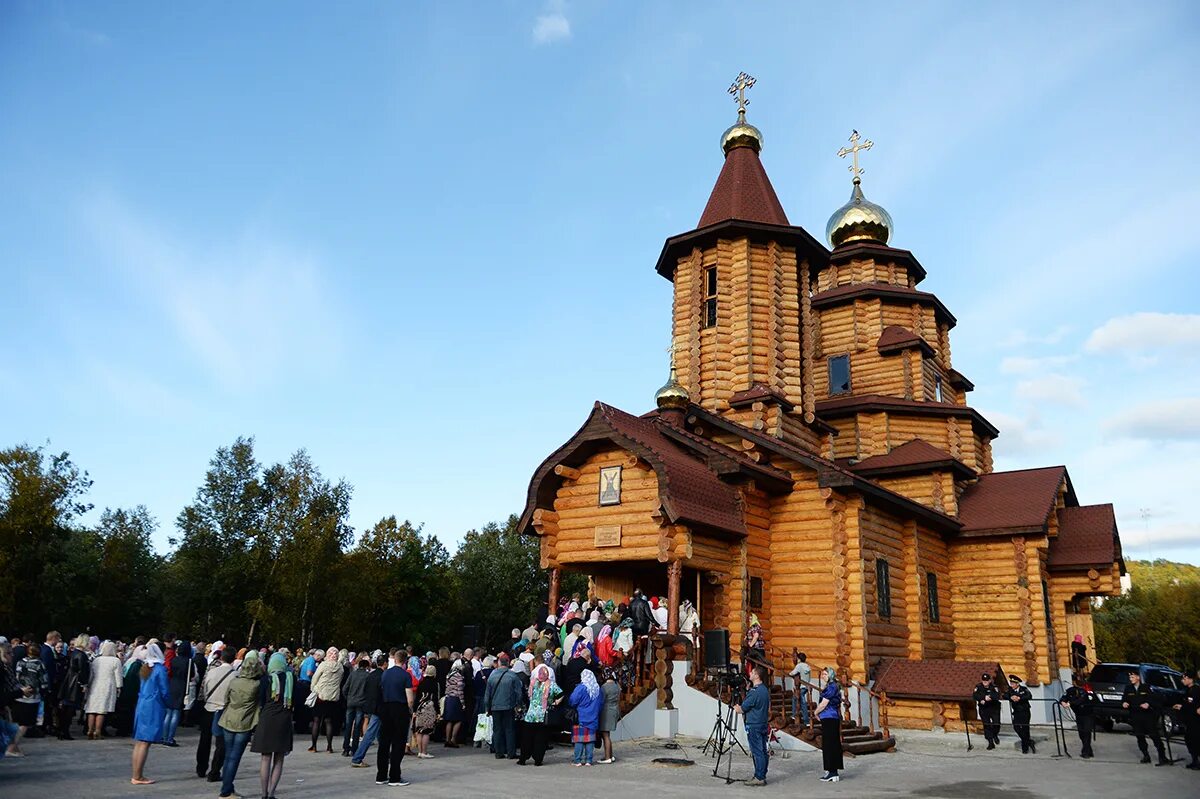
(1189, 713)
(500, 699)
(1019, 699)
(178, 673)
(1143, 709)
(829, 711)
(1083, 704)
(75, 677)
(643, 616)
(370, 709)
(396, 696)
(355, 692)
(755, 708)
(987, 699)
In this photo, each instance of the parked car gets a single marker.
(1108, 681)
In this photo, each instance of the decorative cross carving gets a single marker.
(738, 90)
(853, 151)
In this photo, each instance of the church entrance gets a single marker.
(617, 581)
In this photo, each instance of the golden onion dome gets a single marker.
(742, 134)
(859, 220)
(672, 396)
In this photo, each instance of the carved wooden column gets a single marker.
(674, 576)
(552, 603)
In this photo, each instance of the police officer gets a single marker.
(1018, 704)
(1143, 717)
(1083, 704)
(987, 698)
(1189, 712)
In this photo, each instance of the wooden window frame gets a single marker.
(883, 588)
(709, 308)
(931, 593)
(849, 374)
(756, 587)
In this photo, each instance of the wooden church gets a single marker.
(813, 460)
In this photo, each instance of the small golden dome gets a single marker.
(742, 134)
(859, 220)
(672, 396)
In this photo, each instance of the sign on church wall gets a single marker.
(608, 536)
(610, 485)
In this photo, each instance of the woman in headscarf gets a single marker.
(273, 735)
(829, 712)
(127, 698)
(595, 623)
(587, 701)
(454, 711)
(755, 644)
(625, 636)
(73, 681)
(425, 714)
(179, 671)
(572, 638)
(103, 689)
(604, 647)
(240, 717)
(543, 693)
(610, 714)
(327, 685)
(588, 639)
(151, 709)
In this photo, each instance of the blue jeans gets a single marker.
(803, 705)
(584, 752)
(756, 734)
(367, 740)
(235, 745)
(170, 724)
(354, 717)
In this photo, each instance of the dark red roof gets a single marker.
(758, 392)
(1087, 536)
(843, 294)
(911, 456)
(850, 404)
(1012, 502)
(853, 250)
(895, 338)
(952, 680)
(743, 191)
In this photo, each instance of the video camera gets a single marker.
(732, 678)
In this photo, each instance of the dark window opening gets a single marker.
(839, 374)
(710, 297)
(935, 614)
(937, 387)
(1046, 605)
(883, 589)
(756, 601)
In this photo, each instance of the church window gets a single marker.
(839, 374)
(710, 297)
(1046, 604)
(756, 602)
(937, 387)
(883, 589)
(935, 613)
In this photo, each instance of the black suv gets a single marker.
(1108, 681)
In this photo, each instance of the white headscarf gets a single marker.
(154, 655)
(588, 681)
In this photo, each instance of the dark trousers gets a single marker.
(1020, 724)
(1085, 725)
(394, 721)
(1191, 736)
(831, 745)
(504, 733)
(302, 716)
(533, 742)
(354, 719)
(1147, 727)
(756, 735)
(206, 720)
(990, 713)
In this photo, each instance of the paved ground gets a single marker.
(929, 765)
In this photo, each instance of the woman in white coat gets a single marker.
(102, 689)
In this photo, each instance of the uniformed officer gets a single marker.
(987, 697)
(1189, 712)
(1018, 704)
(1143, 717)
(1083, 704)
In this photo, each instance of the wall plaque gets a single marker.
(608, 536)
(610, 485)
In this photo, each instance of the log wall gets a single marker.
(989, 600)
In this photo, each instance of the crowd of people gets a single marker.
(553, 683)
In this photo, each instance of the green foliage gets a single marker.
(1158, 621)
(501, 584)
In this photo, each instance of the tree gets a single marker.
(128, 599)
(1158, 621)
(41, 495)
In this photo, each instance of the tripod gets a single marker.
(723, 737)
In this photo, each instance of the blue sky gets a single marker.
(419, 239)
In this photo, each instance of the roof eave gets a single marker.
(798, 237)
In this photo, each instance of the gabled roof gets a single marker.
(1087, 537)
(1012, 502)
(917, 455)
(953, 680)
(895, 338)
(743, 191)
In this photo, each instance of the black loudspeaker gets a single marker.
(470, 636)
(716, 649)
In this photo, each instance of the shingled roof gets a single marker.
(895, 338)
(952, 680)
(744, 192)
(1087, 537)
(1011, 502)
(917, 455)
(843, 294)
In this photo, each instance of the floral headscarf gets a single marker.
(588, 681)
(252, 666)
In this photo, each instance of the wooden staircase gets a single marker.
(856, 739)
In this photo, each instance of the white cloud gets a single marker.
(1020, 365)
(552, 26)
(1020, 440)
(1023, 338)
(1052, 388)
(1158, 420)
(1135, 533)
(1145, 332)
(248, 311)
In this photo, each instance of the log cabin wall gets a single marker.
(933, 557)
(758, 557)
(580, 513)
(990, 602)
(865, 270)
(887, 634)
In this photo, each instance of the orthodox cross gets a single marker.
(853, 150)
(671, 353)
(738, 89)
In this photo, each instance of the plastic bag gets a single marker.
(483, 729)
